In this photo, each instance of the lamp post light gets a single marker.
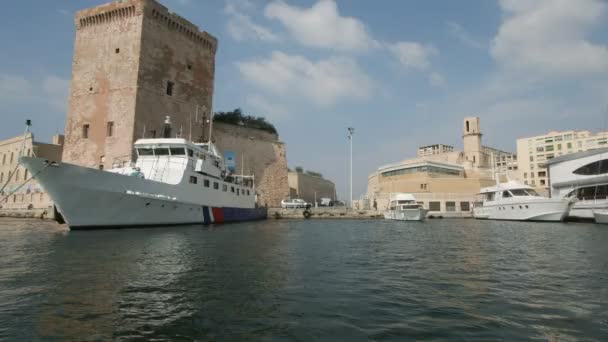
(351, 132)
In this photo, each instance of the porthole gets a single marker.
(526, 206)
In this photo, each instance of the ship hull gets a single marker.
(90, 198)
(406, 214)
(541, 210)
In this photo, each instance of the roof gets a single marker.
(577, 155)
(400, 196)
(510, 185)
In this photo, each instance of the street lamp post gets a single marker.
(351, 132)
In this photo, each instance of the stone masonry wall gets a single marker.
(258, 153)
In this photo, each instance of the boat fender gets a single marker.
(307, 214)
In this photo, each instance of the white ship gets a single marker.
(403, 207)
(173, 181)
(515, 201)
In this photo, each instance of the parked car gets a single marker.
(337, 203)
(294, 203)
(324, 202)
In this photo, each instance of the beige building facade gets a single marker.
(17, 190)
(444, 182)
(135, 62)
(535, 151)
(310, 188)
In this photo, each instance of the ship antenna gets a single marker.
(210, 125)
(28, 124)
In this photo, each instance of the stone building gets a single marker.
(257, 153)
(310, 187)
(445, 180)
(535, 152)
(134, 63)
(17, 190)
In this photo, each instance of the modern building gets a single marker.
(310, 187)
(444, 182)
(17, 190)
(534, 152)
(583, 175)
(429, 150)
(135, 63)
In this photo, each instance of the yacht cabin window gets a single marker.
(190, 153)
(490, 196)
(177, 151)
(506, 194)
(519, 192)
(161, 151)
(145, 152)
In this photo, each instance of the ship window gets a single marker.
(193, 180)
(247, 192)
(224, 187)
(161, 151)
(145, 152)
(434, 206)
(190, 153)
(238, 191)
(595, 168)
(232, 189)
(490, 196)
(465, 206)
(450, 206)
(206, 183)
(177, 151)
(216, 185)
(519, 192)
(506, 194)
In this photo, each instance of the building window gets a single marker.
(542, 182)
(117, 50)
(189, 66)
(434, 206)
(531, 158)
(206, 183)
(216, 185)
(110, 128)
(3, 159)
(542, 174)
(1, 176)
(467, 124)
(170, 88)
(465, 206)
(525, 175)
(450, 206)
(193, 180)
(12, 157)
(559, 146)
(549, 148)
(17, 174)
(85, 131)
(224, 187)
(540, 149)
(25, 175)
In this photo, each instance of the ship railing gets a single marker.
(121, 161)
(244, 180)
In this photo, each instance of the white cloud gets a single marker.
(322, 26)
(261, 106)
(323, 82)
(57, 91)
(550, 36)
(15, 87)
(412, 55)
(462, 35)
(436, 79)
(240, 26)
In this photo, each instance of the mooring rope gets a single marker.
(10, 176)
(22, 184)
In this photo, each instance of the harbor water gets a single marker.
(306, 280)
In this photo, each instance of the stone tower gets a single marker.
(134, 63)
(472, 141)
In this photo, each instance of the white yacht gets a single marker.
(515, 201)
(173, 181)
(403, 207)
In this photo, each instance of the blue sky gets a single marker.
(403, 73)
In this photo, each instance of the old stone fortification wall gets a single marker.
(259, 153)
(306, 186)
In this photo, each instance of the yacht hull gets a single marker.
(90, 198)
(601, 216)
(542, 210)
(406, 214)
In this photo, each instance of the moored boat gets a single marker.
(173, 181)
(601, 216)
(403, 207)
(515, 201)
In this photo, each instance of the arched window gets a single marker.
(467, 123)
(595, 168)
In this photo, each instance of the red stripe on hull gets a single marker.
(218, 215)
